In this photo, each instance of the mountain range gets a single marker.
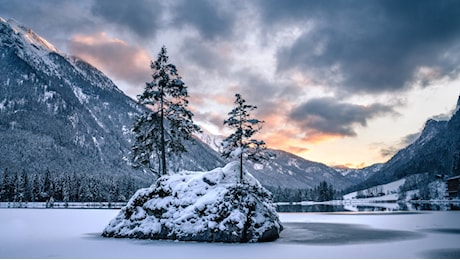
(59, 113)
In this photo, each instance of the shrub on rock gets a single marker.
(200, 206)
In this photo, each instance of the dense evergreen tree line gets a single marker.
(323, 192)
(75, 187)
(80, 187)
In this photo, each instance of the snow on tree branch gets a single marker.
(240, 143)
(163, 131)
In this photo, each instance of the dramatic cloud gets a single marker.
(284, 138)
(327, 116)
(206, 56)
(52, 19)
(113, 56)
(369, 46)
(146, 18)
(284, 56)
(206, 16)
(143, 17)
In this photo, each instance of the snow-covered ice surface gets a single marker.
(75, 233)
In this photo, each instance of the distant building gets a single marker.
(453, 187)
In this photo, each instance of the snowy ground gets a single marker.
(75, 233)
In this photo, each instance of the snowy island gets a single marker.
(200, 206)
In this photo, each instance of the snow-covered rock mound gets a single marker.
(200, 206)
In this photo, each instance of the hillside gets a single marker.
(287, 170)
(435, 153)
(359, 175)
(60, 115)
(294, 172)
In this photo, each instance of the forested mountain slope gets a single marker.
(62, 116)
(436, 152)
(63, 122)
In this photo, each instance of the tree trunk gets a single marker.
(241, 146)
(241, 168)
(162, 145)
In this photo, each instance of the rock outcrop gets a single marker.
(200, 206)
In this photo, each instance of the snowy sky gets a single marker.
(339, 82)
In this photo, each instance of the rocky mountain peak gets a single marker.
(13, 33)
(60, 114)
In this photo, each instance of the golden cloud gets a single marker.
(113, 56)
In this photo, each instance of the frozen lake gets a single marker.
(74, 233)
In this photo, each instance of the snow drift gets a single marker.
(200, 206)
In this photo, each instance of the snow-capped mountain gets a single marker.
(435, 152)
(286, 170)
(213, 141)
(359, 175)
(61, 114)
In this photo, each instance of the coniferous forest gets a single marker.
(322, 192)
(78, 187)
(68, 187)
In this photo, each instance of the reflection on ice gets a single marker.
(340, 234)
(344, 206)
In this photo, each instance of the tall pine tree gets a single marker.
(240, 143)
(163, 130)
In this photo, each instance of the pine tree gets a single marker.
(35, 188)
(66, 188)
(163, 130)
(4, 188)
(26, 186)
(239, 144)
(14, 186)
(47, 185)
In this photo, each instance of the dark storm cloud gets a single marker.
(143, 17)
(147, 17)
(211, 21)
(295, 11)
(204, 55)
(55, 20)
(377, 46)
(328, 116)
(269, 97)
